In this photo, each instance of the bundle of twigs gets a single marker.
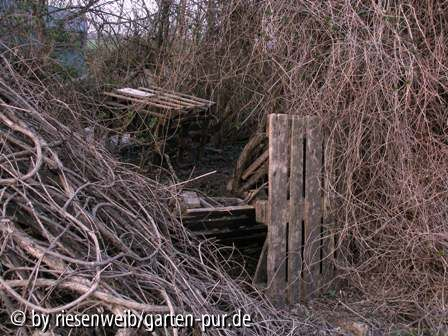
(82, 233)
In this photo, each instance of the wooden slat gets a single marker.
(173, 98)
(153, 100)
(156, 97)
(198, 102)
(261, 211)
(254, 166)
(136, 100)
(262, 171)
(237, 210)
(244, 157)
(313, 211)
(116, 105)
(168, 105)
(209, 102)
(295, 210)
(277, 235)
(134, 93)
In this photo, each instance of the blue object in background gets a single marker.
(70, 37)
(65, 29)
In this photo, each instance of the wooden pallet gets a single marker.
(234, 223)
(163, 112)
(299, 250)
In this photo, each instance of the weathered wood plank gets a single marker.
(295, 210)
(278, 205)
(140, 101)
(313, 210)
(245, 156)
(172, 98)
(134, 93)
(191, 200)
(261, 211)
(262, 171)
(237, 210)
(255, 165)
(184, 95)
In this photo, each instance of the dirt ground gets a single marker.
(222, 160)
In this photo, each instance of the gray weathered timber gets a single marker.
(313, 206)
(278, 207)
(295, 210)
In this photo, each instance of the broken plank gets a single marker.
(184, 95)
(199, 102)
(134, 93)
(172, 98)
(135, 100)
(191, 200)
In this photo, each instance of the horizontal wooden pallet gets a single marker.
(171, 115)
(160, 98)
(235, 224)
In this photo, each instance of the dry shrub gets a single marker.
(376, 75)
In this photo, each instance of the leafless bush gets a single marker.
(375, 74)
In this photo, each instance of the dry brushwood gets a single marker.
(81, 232)
(375, 75)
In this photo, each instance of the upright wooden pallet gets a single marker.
(299, 243)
